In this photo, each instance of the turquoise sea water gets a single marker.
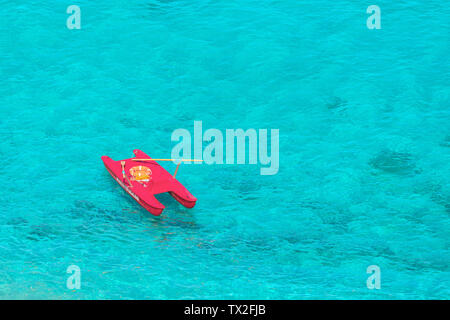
(364, 120)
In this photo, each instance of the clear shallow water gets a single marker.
(364, 149)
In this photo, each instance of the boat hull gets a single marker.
(144, 192)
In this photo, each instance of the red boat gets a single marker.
(142, 177)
